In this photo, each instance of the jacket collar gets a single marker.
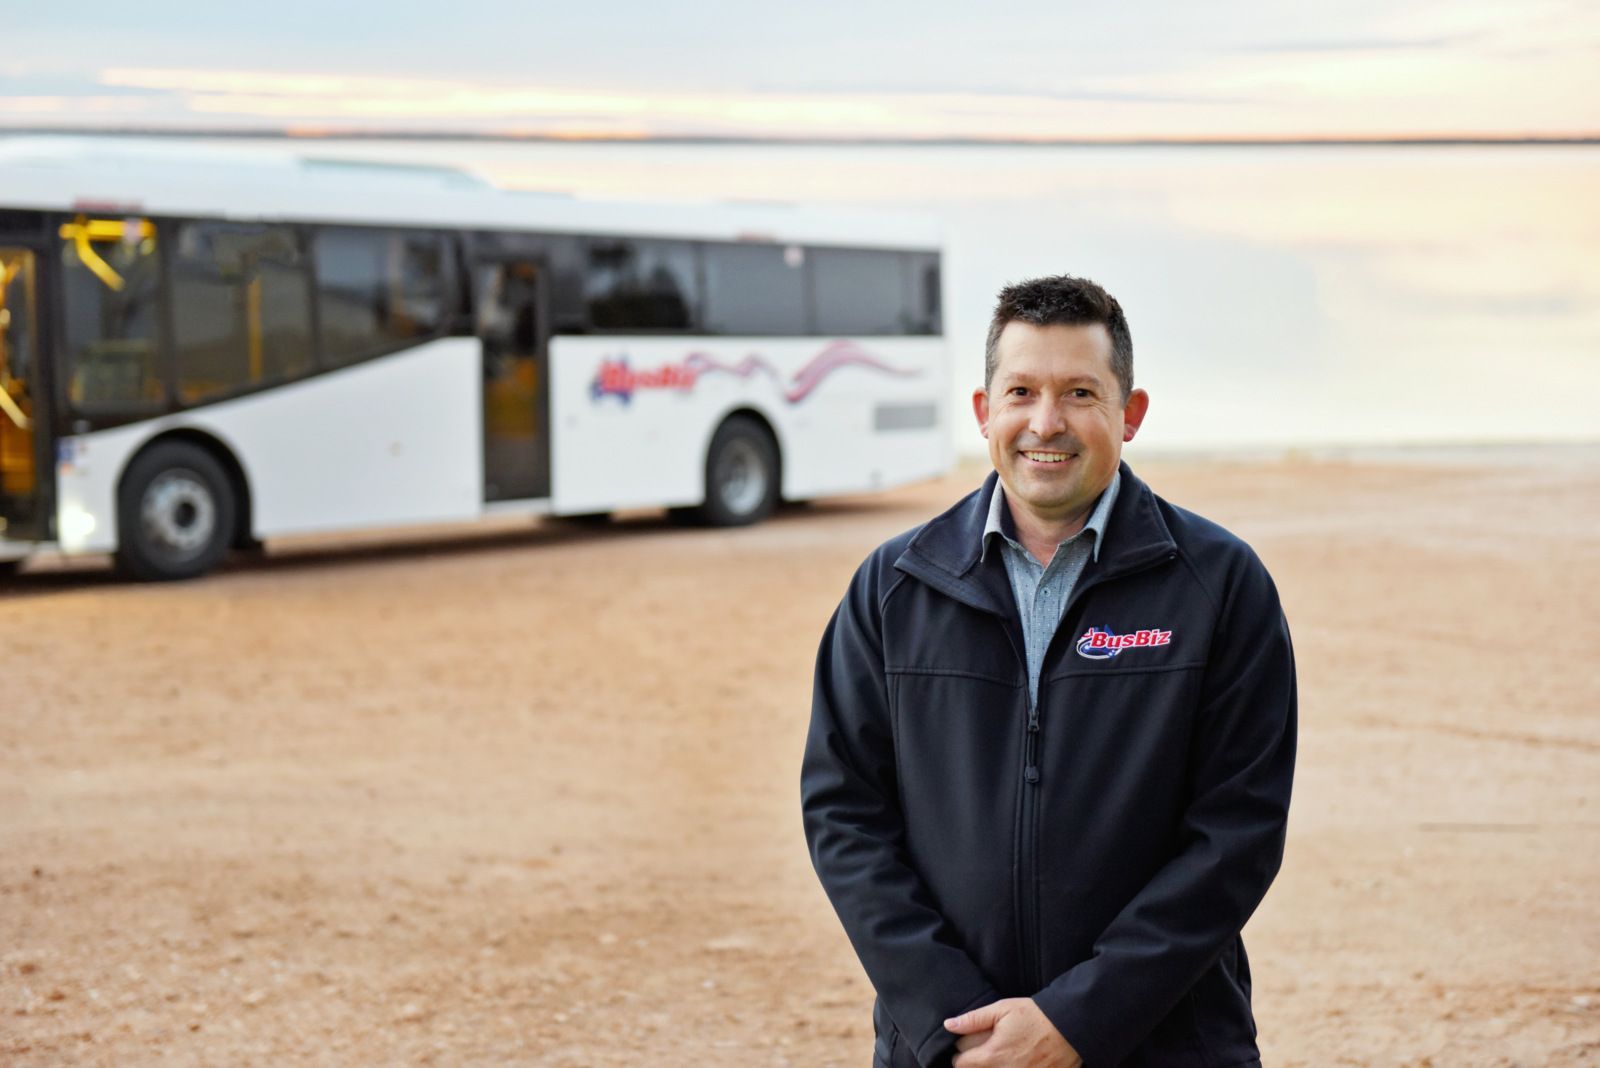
(1000, 523)
(947, 552)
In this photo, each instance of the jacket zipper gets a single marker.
(1027, 861)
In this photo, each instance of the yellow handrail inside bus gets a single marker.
(83, 231)
(253, 325)
(17, 415)
(8, 273)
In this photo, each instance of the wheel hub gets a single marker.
(178, 512)
(742, 478)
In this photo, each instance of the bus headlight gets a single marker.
(76, 526)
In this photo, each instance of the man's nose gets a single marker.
(1047, 421)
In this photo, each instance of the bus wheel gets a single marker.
(175, 513)
(741, 474)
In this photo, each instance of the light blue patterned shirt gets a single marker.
(1042, 592)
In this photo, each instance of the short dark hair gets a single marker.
(1061, 300)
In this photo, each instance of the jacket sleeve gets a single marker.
(854, 826)
(1230, 839)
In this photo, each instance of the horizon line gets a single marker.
(306, 133)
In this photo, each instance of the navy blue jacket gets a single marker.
(1101, 856)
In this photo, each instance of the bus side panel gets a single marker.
(634, 416)
(392, 441)
(617, 442)
(870, 426)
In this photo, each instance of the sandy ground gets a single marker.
(527, 795)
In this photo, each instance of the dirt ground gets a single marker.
(528, 794)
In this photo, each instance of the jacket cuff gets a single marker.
(936, 1048)
(1092, 1045)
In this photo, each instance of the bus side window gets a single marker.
(924, 313)
(755, 289)
(564, 260)
(379, 290)
(642, 285)
(859, 292)
(243, 308)
(111, 284)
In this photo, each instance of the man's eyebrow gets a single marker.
(1023, 378)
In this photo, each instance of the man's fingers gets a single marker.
(971, 1058)
(981, 1019)
(977, 1038)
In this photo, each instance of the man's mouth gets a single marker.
(1047, 457)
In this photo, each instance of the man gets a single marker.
(1052, 738)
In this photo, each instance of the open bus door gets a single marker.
(24, 424)
(512, 323)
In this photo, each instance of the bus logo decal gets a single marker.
(616, 378)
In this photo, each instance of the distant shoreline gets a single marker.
(1568, 454)
(1565, 454)
(234, 133)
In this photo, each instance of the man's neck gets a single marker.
(1041, 535)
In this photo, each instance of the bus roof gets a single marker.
(90, 175)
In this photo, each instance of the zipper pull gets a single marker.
(1030, 773)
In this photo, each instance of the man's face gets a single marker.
(1055, 418)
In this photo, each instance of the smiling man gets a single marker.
(1052, 738)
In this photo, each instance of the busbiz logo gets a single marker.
(1100, 644)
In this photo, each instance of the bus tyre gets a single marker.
(175, 513)
(741, 474)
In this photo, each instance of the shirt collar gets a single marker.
(1000, 523)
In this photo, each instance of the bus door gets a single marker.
(23, 416)
(513, 325)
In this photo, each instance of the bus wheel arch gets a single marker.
(183, 500)
(743, 471)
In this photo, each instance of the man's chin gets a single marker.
(1049, 501)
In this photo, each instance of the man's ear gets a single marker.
(1133, 413)
(980, 409)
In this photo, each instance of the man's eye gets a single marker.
(1018, 391)
(1082, 394)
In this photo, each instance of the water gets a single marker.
(1278, 296)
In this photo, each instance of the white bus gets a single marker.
(202, 352)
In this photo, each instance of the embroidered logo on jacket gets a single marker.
(1101, 644)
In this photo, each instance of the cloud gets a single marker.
(71, 107)
(367, 100)
(1365, 44)
(1013, 91)
(1435, 66)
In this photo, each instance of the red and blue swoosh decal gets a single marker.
(616, 378)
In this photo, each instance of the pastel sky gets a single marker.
(1157, 68)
